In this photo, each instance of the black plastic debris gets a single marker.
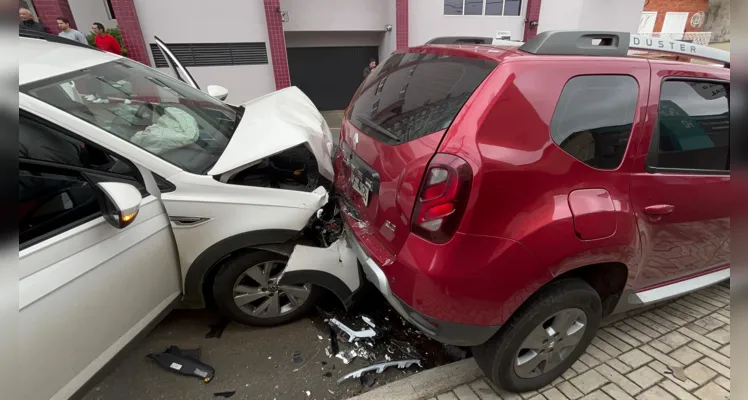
(216, 330)
(184, 362)
(224, 394)
(367, 381)
(296, 357)
(334, 341)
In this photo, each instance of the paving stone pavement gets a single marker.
(634, 356)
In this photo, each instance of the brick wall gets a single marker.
(401, 24)
(533, 14)
(129, 26)
(49, 10)
(664, 6)
(277, 43)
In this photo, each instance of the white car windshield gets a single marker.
(159, 114)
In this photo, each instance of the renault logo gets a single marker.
(355, 140)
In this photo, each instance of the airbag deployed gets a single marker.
(175, 129)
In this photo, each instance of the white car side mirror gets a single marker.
(119, 203)
(218, 92)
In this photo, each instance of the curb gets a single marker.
(426, 384)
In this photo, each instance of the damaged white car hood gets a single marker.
(273, 123)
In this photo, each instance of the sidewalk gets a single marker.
(631, 358)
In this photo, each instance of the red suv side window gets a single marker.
(693, 129)
(594, 117)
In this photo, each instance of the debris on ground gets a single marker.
(216, 330)
(379, 368)
(678, 373)
(334, 348)
(184, 362)
(367, 381)
(296, 357)
(351, 335)
(224, 394)
(388, 340)
(368, 321)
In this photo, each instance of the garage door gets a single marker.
(329, 75)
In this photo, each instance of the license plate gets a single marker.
(357, 182)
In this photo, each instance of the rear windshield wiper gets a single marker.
(373, 125)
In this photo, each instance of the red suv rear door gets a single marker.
(681, 185)
(393, 128)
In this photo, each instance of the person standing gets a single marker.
(27, 21)
(105, 41)
(370, 67)
(69, 33)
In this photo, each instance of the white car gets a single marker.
(139, 192)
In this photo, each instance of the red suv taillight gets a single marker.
(442, 199)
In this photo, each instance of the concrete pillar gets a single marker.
(277, 42)
(49, 10)
(401, 24)
(532, 14)
(129, 26)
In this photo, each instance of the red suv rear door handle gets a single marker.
(659, 209)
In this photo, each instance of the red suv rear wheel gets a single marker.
(544, 338)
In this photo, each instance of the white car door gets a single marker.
(86, 288)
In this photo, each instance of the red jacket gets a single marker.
(108, 43)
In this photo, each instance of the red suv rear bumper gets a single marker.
(458, 293)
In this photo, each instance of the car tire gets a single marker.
(517, 358)
(238, 280)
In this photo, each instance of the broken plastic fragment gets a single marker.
(368, 321)
(184, 362)
(352, 335)
(379, 368)
(347, 356)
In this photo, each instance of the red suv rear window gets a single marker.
(412, 95)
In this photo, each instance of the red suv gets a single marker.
(508, 198)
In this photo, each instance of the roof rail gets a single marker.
(27, 33)
(460, 40)
(615, 44)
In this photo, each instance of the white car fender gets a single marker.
(335, 268)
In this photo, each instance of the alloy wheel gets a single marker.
(550, 343)
(258, 293)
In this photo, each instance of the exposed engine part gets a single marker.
(327, 224)
(292, 169)
(379, 368)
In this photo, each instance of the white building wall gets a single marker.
(340, 23)
(185, 21)
(86, 12)
(334, 15)
(426, 20)
(607, 15)
(388, 44)
(333, 39)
